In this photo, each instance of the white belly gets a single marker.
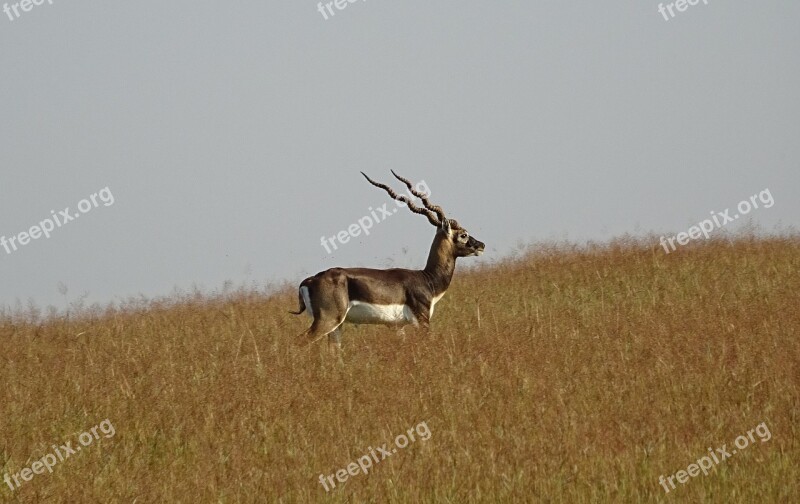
(368, 313)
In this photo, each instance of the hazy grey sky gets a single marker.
(231, 135)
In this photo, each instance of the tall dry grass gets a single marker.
(569, 374)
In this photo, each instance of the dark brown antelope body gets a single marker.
(394, 297)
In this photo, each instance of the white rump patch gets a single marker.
(307, 301)
(367, 313)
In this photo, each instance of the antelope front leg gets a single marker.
(422, 324)
(335, 342)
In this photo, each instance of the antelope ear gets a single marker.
(446, 226)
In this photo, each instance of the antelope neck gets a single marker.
(440, 266)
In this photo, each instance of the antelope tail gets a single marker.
(302, 305)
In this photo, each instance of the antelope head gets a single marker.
(451, 239)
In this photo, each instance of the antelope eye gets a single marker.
(463, 237)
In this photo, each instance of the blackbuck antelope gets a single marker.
(395, 297)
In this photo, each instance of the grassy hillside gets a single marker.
(566, 375)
